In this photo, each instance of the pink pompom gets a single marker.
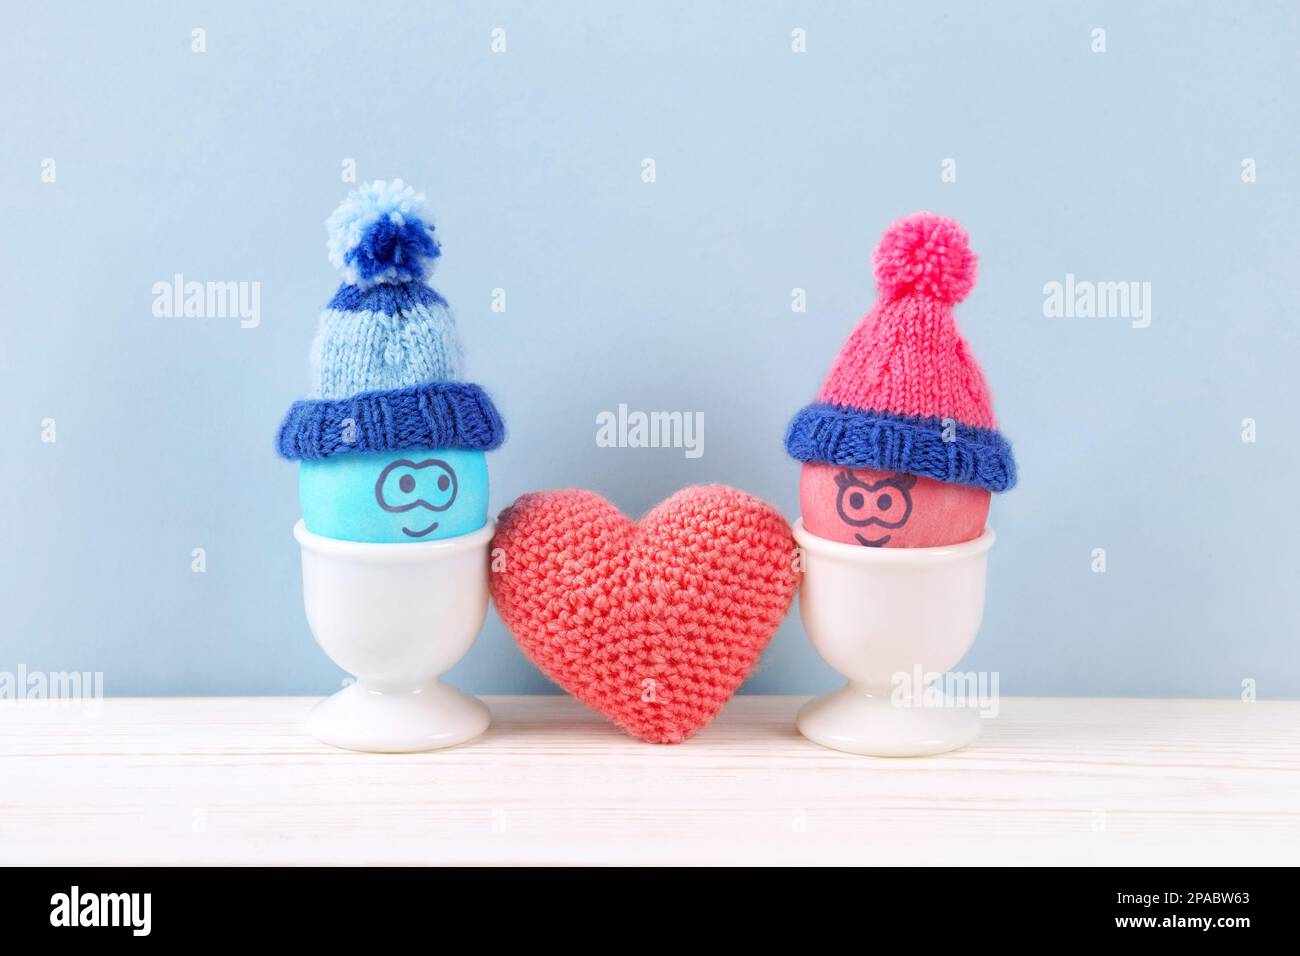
(925, 254)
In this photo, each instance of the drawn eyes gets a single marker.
(887, 503)
(434, 479)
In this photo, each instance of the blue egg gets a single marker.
(395, 497)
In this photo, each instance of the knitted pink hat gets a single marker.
(905, 393)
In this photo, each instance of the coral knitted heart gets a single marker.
(653, 623)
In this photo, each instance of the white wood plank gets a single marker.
(235, 780)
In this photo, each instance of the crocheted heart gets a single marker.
(653, 623)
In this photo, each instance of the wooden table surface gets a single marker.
(236, 780)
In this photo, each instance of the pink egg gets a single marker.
(888, 509)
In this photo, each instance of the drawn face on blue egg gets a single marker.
(395, 497)
(418, 489)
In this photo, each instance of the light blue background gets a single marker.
(775, 170)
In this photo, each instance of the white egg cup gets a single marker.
(879, 616)
(397, 616)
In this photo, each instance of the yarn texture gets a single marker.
(655, 623)
(835, 435)
(925, 254)
(432, 415)
(366, 347)
(378, 234)
(387, 359)
(906, 370)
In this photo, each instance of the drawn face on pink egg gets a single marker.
(888, 509)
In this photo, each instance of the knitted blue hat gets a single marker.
(387, 357)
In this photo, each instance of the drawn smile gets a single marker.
(419, 534)
(879, 542)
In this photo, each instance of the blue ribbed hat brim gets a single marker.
(431, 415)
(853, 438)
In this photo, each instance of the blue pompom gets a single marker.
(378, 235)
